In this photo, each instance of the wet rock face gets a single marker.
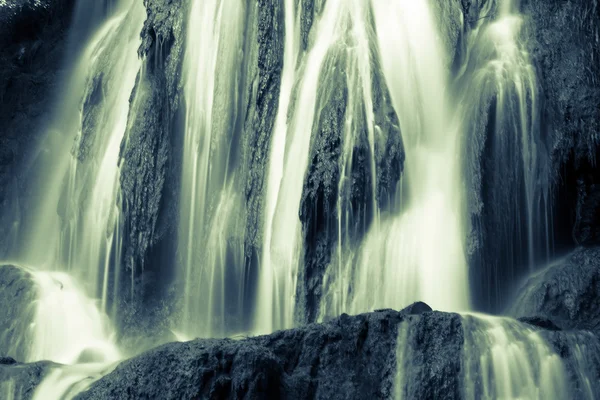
(320, 193)
(17, 311)
(264, 66)
(567, 292)
(561, 39)
(325, 203)
(150, 171)
(431, 352)
(566, 52)
(32, 45)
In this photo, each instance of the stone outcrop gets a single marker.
(565, 49)
(150, 171)
(17, 311)
(567, 292)
(346, 358)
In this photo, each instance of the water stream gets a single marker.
(210, 199)
(505, 359)
(417, 245)
(76, 228)
(74, 239)
(276, 285)
(506, 152)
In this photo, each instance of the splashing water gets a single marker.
(68, 326)
(67, 382)
(70, 329)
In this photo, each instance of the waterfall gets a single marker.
(74, 236)
(67, 382)
(210, 201)
(68, 328)
(276, 285)
(418, 245)
(384, 158)
(76, 226)
(506, 149)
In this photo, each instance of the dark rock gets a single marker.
(417, 308)
(431, 356)
(146, 150)
(7, 361)
(389, 153)
(150, 171)
(540, 322)
(566, 292)
(263, 65)
(310, 9)
(92, 114)
(17, 311)
(564, 36)
(349, 357)
(320, 193)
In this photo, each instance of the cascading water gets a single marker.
(210, 201)
(504, 359)
(68, 328)
(418, 249)
(501, 358)
(74, 237)
(76, 228)
(363, 59)
(336, 66)
(500, 108)
(276, 286)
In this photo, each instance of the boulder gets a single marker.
(349, 357)
(566, 292)
(17, 310)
